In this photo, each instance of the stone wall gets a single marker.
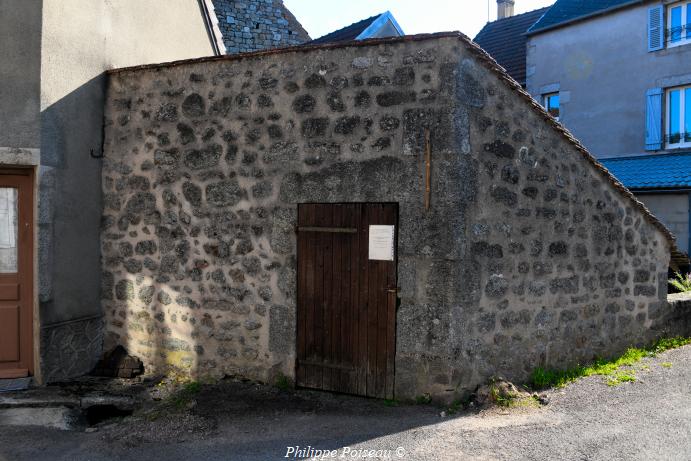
(561, 265)
(675, 320)
(529, 255)
(253, 25)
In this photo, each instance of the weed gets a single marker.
(455, 407)
(512, 400)
(501, 400)
(283, 383)
(185, 395)
(670, 343)
(390, 403)
(619, 377)
(423, 399)
(681, 283)
(666, 364)
(542, 378)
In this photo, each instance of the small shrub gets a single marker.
(682, 283)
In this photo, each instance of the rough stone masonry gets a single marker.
(530, 254)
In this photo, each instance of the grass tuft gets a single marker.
(423, 399)
(543, 378)
(185, 395)
(283, 382)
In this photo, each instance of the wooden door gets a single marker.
(346, 301)
(16, 273)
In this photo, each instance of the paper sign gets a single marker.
(381, 243)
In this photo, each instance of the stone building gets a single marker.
(253, 25)
(390, 217)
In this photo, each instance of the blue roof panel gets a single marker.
(663, 171)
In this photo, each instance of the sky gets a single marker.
(320, 17)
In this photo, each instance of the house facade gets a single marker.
(54, 55)
(616, 74)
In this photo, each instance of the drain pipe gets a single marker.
(211, 23)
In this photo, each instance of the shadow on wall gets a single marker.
(69, 214)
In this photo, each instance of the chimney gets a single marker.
(504, 8)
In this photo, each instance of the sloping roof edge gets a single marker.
(505, 40)
(498, 21)
(485, 58)
(585, 17)
(294, 23)
(377, 23)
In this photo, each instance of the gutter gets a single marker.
(661, 191)
(585, 17)
(211, 23)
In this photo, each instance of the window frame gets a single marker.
(545, 103)
(684, 137)
(685, 32)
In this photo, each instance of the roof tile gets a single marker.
(663, 171)
(505, 41)
(346, 34)
(567, 10)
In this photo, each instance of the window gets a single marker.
(678, 24)
(551, 103)
(678, 119)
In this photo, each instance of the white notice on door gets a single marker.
(381, 243)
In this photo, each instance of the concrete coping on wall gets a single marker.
(680, 298)
(491, 63)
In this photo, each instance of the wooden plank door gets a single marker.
(16, 273)
(346, 301)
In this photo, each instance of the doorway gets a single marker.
(346, 317)
(16, 273)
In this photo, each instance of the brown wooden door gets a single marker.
(16, 273)
(346, 301)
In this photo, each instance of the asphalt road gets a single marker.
(649, 419)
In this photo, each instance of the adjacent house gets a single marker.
(617, 74)
(622, 97)
(387, 217)
(54, 54)
(253, 25)
(377, 26)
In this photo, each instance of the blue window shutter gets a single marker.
(653, 119)
(656, 28)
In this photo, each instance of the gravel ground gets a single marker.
(588, 420)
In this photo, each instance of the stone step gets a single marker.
(55, 417)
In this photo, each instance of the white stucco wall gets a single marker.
(80, 40)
